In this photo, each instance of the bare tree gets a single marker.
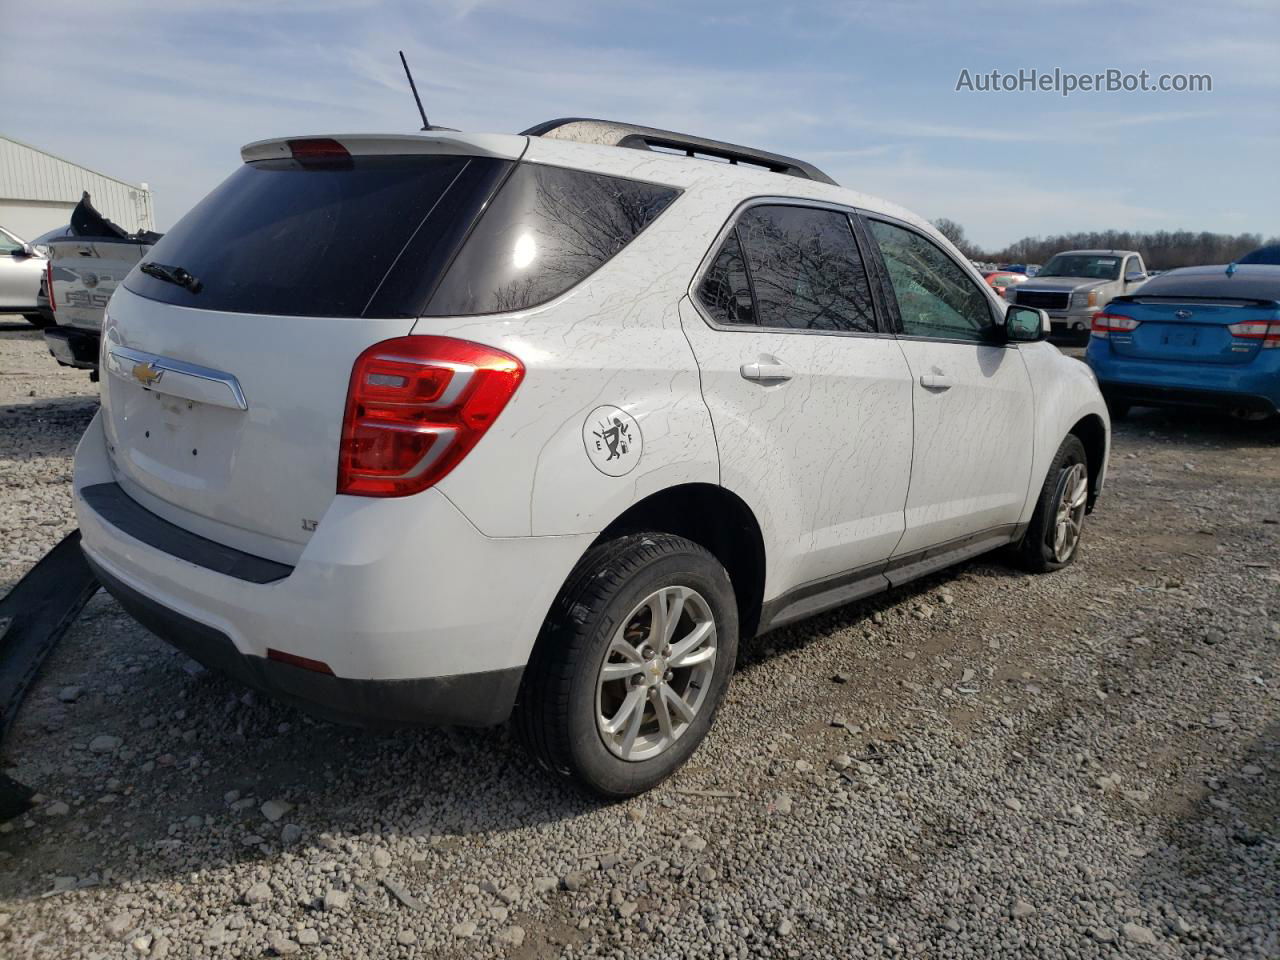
(955, 233)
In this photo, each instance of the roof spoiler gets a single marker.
(613, 134)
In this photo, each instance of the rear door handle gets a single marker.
(766, 371)
(936, 381)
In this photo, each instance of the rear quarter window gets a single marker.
(548, 229)
(365, 236)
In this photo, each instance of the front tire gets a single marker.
(631, 664)
(1053, 538)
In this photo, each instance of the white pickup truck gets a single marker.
(85, 266)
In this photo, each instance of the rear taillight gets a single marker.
(415, 407)
(1267, 332)
(48, 282)
(1105, 324)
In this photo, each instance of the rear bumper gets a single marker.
(472, 699)
(72, 347)
(1254, 386)
(420, 618)
(1154, 396)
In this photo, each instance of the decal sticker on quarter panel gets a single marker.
(613, 441)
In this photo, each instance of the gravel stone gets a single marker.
(258, 893)
(511, 936)
(281, 945)
(119, 925)
(273, 810)
(1021, 909)
(1137, 933)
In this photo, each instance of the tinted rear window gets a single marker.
(546, 230)
(365, 237)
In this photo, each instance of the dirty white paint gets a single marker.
(843, 465)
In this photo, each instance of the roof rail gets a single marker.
(613, 134)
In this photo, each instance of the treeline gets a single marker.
(1162, 249)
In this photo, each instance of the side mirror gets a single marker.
(1134, 277)
(1025, 324)
(26, 250)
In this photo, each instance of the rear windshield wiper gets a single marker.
(174, 275)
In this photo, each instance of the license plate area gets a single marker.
(1182, 339)
(173, 446)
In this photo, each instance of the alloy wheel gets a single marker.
(1073, 494)
(657, 672)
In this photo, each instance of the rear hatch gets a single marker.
(1215, 331)
(228, 359)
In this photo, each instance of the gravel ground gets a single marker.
(982, 765)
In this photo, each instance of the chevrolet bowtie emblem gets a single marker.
(147, 374)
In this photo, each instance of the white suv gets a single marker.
(438, 428)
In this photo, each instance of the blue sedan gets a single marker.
(1199, 336)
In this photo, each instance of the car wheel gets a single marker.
(631, 664)
(1053, 539)
(36, 320)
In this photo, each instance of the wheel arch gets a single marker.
(716, 519)
(1092, 432)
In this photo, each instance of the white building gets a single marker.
(39, 190)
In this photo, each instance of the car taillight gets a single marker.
(318, 148)
(1105, 324)
(415, 407)
(48, 282)
(1267, 332)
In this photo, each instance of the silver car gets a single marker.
(1076, 284)
(21, 270)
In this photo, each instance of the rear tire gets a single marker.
(591, 685)
(1053, 539)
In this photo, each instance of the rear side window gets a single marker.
(805, 269)
(547, 229)
(365, 236)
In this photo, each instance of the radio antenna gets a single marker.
(414, 87)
